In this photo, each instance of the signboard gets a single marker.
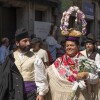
(88, 9)
(41, 29)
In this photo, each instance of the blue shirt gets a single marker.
(52, 46)
(3, 53)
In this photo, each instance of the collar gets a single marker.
(21, 53)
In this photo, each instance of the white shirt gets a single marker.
(40, 75)
(42, 54)
(97, 61)
(97, 58)
(4, 52)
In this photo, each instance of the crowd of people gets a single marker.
(34, 69)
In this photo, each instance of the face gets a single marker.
(23, 45)
(89, 47)
(71, 48)
(36, 46)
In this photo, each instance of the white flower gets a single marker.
(75, 20)
(65, 23)
(76, 8)
(71, 8)
(66, 15)
(85, 64)
(61, 28)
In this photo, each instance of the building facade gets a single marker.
(91, 9)
(97, 18)
(16, 14)
(37, 15)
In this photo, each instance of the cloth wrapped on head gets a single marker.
(21, 34)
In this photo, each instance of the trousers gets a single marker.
(31, 96)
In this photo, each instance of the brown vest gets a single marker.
(92, 56)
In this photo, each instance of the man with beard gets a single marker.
(90, 50)
(22, 75)
(26, 63)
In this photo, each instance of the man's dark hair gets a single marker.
(37, 40)
(3, 40)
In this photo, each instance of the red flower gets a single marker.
(71, 61)
(71, 78)
(75, 72)
(62, 71)
(56, 63)
(64, 61)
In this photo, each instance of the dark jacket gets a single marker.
(11, 81)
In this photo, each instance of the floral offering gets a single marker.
(80, 17)
(85, 64)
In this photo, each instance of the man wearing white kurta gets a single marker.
(91, 53)
(31, 68)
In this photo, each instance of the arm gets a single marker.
(2, 55)
(90, 73)
(90, 77)
(40, 78)
(46, 59)
(58, 46)
(97, 61)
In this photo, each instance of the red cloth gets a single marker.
(67, 66)
(49, 57)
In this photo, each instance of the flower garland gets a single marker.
(79, 17)
(85, 64)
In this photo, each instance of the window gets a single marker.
(39, 15)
